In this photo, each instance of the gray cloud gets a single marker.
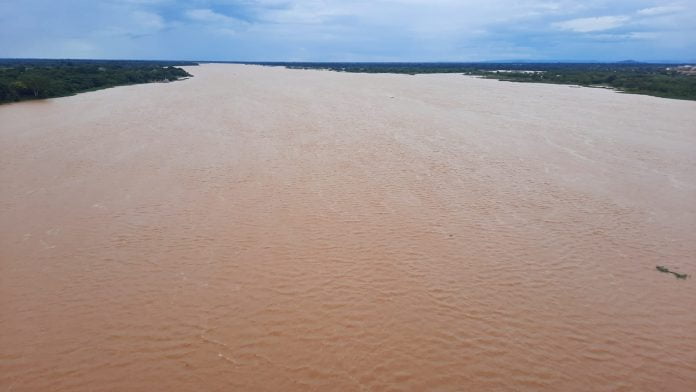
(335, 30)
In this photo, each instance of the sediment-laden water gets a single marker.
(264, 229)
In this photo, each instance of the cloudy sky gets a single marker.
(350, 30)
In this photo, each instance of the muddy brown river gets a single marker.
(265, 229)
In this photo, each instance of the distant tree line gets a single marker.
(35, 79)
(661, 80)
(655, 81)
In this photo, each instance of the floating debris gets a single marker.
(664, 269)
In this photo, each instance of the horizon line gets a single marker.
(527, 61)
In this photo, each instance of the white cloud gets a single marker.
(215, 22)
(148, 20)
(644, 35)
(637, 35)
(209, 16)
(661, 10)
(598, 23)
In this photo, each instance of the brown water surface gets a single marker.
(264, 229)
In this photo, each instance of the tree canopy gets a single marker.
(27, 79)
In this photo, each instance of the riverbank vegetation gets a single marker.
(22, 79)
(661, 80)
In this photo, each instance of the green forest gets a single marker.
(661, 80)
(36, 79)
